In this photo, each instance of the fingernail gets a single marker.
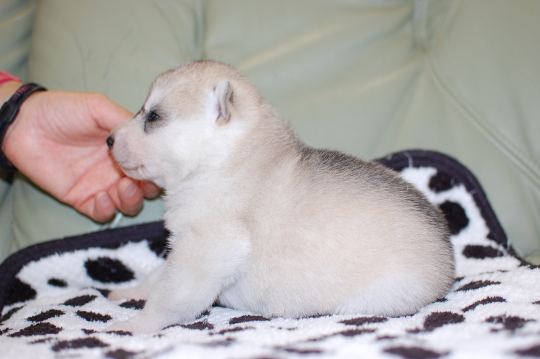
(104, 200)
(130, 190)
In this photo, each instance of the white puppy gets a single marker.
(262, 223)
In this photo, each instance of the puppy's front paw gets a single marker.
(129, 293)
(136, 325)
(140, 291)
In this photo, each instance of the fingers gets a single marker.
(150, 190)
(103, 208)
(129, 201)
(130, 196)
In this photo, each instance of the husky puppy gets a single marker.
(260, 222)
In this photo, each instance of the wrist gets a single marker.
(8, 113)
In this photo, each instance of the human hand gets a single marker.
(58, 142)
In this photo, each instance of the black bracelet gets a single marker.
(8, 112)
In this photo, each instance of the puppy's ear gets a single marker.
(224, 95)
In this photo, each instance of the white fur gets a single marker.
(262, 223)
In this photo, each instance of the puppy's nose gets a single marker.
(110, 141)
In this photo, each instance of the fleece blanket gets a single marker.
(53, 296)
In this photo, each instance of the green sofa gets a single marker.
(367, 77)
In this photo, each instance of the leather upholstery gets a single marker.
(366, 77)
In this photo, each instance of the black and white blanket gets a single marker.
(54, 305)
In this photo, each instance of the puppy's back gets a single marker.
(346, 236)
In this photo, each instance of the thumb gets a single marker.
(105, 112)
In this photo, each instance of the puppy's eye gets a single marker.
(152, 116)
